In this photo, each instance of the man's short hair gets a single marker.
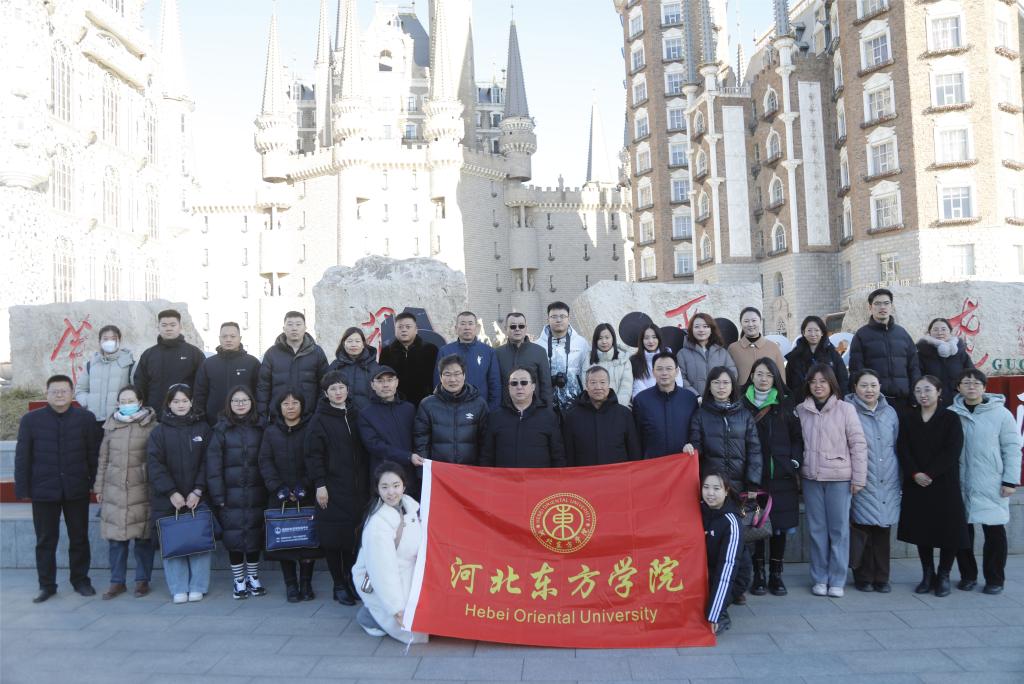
(59, 378)
(594, 370)
(878, 293)
(168, 313)
(664, 355)
(558, 306)
(466, 313)
(231, 324)
(295, 314)
(451, 360)
(405, 315)
(528, 371)
(109, 328)
(973, 373)
(514, 314)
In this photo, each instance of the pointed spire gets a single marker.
(323, 42)
(172, 63)
(339, 25)
(781, 8)
(515, 86)
(707, 33)
(274, 91)
(440, 69)
(349, 48)
(599, 168)
(739, 64)
(689, 44)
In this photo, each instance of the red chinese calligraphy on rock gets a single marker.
(967, 324)
(684, 311)
(74, 338)
(373, 324)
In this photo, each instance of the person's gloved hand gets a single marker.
(282, 493)
(299, 492)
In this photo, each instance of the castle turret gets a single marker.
(275, 126)
(176, 108)
(518, 142)
(708, 56)
(350, 110)
(322, 80)
(599, 167)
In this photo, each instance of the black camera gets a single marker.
(559, 380)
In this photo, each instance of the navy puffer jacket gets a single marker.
(283, 367)
(888, 350)
(57, 454)
(236, 484)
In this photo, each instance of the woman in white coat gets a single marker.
(387, 557)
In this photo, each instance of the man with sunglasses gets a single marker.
(519, 352)
(523, 433)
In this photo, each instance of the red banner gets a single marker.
(596, 557)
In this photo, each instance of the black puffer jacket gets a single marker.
(218, 375)
(889, 351)
(800, 359)
(726, 439)
(283, 460)
(335, 459)
(282, 367)
(414, 366)
(236, 485)
(945, 369)
(176, 459)
(451, 427)
(57, 454)
(386, 430)
(782, 443)
(357, 373)
(600, 436)
(167, 363)
(527, 439)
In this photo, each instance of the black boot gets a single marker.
(942, 587)
(343, 595)
(758, 586)
(927, 579)
(306, 582)
(291, 581)
(775, 584)
(352, 587)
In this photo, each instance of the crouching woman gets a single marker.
(723, 537)
(387, 557)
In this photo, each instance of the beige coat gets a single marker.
(122, 480)
(744, 354)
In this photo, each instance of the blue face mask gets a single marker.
(129, 409)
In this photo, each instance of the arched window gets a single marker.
(111, 109)
(705, 248)
(111, 198)
(775, 191)
(384, 61)
(111, 277)
(698, 122)
(152, 280)
(703, 205)
(780, 285)
(60, 82)
(152, 212)
(773, 146)
(702, 163)
(63, 271)
(648, 263)
(771, 102)
(778, 238)
(62, 181)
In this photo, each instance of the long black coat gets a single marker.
(218, 374)
(528, 439)
(726, 439)
(414, 367)
(357, 373)
(800, 359)
(283, 368)
(166, 363)
(386, 432)
(782, 442)
(889, 351)
(600, 436)
(451, 427)
(945, 369)
(283, 464)
(335, 459)
(57, 454)
(176, 459)
(236, 485)
(932, 515)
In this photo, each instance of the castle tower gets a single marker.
(784, 42)
(518, 142)
(350, 111)
(275, 126)
(176, 109)
(322, 80)
(599, 167)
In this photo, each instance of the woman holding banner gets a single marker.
(390, 543)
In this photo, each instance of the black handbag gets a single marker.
(757, 526)
(183, 535)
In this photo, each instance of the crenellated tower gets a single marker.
(350, 110)
(518, 141)
(275, 126)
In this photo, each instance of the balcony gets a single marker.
(638, 67)
(1008, 53)
(686, 235)
(734, 91)
(755, 169)
(1010, 107)
(871, 123)
(943, 52)
(758, 210)
(684, 274)
(682, 165)
(777, 252)
(703, 218)
(705, 260)
(868, 16)
(845, 240)
(868, 70)
(880, 175)
(1015, 164)
(952, 107)
(840, 140)
(956, 221)
(1015, 220)
(887, 228)
(953, 164)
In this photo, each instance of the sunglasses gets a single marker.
(516, 327)
(518, 383)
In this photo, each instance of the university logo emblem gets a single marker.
(563, 522)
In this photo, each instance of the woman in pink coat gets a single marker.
(835, 468)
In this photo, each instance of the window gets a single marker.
(680, 189)
(676, 119)
(962, 260)
(644, 196)
(888, 267)
(844, 171)
(62, 181)
(673, 48)
(684, 261)
(495, 119)
(411, 131)
(111, 277)
(63, 271)
(1002, 36)
(847, 222)
(152, 212)
(674, 83)
(1010, 150)
(152, 280)
(646, 229)
(869, 7)
(1007, 91)
(705, 248)
(956, 203)
(639, 91)
(949, 89)
(412, 103)
(779, 285)
(953, 146)
(771, 102)
(882, 157)
(880, 103)
(875, 50)
(111, 108)
(778, 238)
(636, 24)
(111, 198)
(643, 160)
(648, 264)
(702, 163)
(704, 206)
(642, 129)
(773, 146)
(116, 5)
(837, 71)
(637, 58)
(60, 82)
(677, 154)
(886, 210)
(840, 121)
(682, 226)
(775, 195)
(671, 13)
(945, 33)
(698, 122)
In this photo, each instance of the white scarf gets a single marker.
(946, 348)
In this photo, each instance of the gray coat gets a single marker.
(694, 364)
(104, 376)
(879, 502)
(991, 456)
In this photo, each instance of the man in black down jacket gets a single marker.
(229, 367)
(524, 433)
(170, 361)
(385, 426)
(519, 352)
(295, 360)
(886, 348)
(450, 423)
(55, 466)
(599, 430)
(412, 358)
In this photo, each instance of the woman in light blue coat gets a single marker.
(989, 476)
(106, 373)
(876, 508)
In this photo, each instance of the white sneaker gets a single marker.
(181, 598)
(194, 596)
(819, 589)
(836, 592)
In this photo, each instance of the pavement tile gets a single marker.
(959, 678)
(241, 661)
(684, 667)
(904, 678)
(928, 660)
(997, 636)
(488, 649)
(785, 665)
(177, 678)
(436, 647)
(924, 637)
(731, 642)
(865, 620)
(825, 641)
(53, 620)
(296, 626)
(250, 643)
(218, 624)
(44, 639)
(623, 652)
(355, 667)
(325, 645)
(989, 659)
(955, 617)
(586, 669)
(150, 641)
(778, 623)
(487, 669)
(137, 623)
(1008, 615)
(29, 674)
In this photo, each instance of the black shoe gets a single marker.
(759, 586)
(724, 623)
(927, 581)
(85, 590)
(43, 595)
(306, 582)
(966, 585)
(882, 587)
(740, 599)
(942, 584)
(992, 589)
(292, 593)
(775, 584)
(863, 586)
(343, 596)
(352, 588)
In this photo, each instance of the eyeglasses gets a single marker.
(516, 327)
(452, 376)
(241, 401)
(518, 383)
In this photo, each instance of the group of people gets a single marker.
(871, 446)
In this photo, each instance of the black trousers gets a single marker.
(46, 520)
(993, 556)
(874, 564)
(339, 563)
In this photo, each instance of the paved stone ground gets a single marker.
(800, 638)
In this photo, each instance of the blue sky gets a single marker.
(570, 49)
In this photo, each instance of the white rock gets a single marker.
(51, 339)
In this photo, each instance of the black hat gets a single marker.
(384, 370)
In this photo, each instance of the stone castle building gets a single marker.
(394, 148)
(95, 154)
(866, 142)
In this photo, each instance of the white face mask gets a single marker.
(108, 346)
